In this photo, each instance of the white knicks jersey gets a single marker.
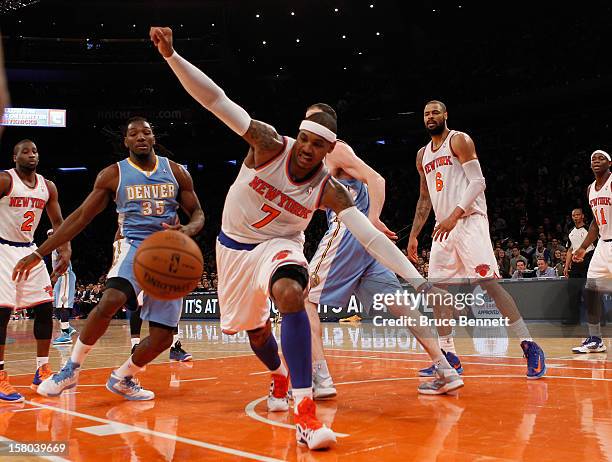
(265, 203)
(601, 206)
(22, 208)
(446, 181)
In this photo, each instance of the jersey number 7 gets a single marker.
(272, 214)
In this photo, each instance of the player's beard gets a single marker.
(438, 129)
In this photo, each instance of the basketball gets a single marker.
(168, 265)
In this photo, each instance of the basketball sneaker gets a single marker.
(128, 387)
(71, 331)
(590, 344)
(322, 388)
(7, 393)
(308, 430)
(452, 359)
(178, 354)
(65, 379)
(42, 373)
(278, 397)
(446, 380)
(63, 339)
(536, 361)
(134, 348)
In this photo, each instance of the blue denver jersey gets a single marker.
(145, 200)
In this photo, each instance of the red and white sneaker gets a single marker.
(278, 399)
(308, 430)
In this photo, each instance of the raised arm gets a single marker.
(336, 197)
(345, 158)
(264, 139)
(54, 212)
(103, 190)
(189, 202)
(423, 209)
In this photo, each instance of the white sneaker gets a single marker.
(446, 380)
(128, 387)
(591, 344)
(278, 399)
(309, 431)
(323, 388)
(65, 379)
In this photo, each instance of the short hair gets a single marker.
(323, 107)
(132, 120)
(16, 148)
(435, 101)
(323, 118)
(541, 258)
(578, 209)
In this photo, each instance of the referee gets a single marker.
(576, 272)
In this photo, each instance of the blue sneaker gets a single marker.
(452, 359)
(536, 362)
(63, 380)
(178, 354)
(71, 331)
(7, 393)
(41, 374)
(63, 339)
(128, 387)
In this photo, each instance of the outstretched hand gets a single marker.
(162, 39)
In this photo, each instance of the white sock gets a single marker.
(282, 370)
(1, 365)
(447, 343)
(64, 325)
(175, 338)
(40, 360)
(80, 352)
(519, 330)
(441, 362)
(594, 330)
(320, 368)
(128, 369)
(298, 395)
(134, 341)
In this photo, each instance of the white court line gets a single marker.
(260, 373)
(505, 376)
(196, 380)
(551, 366)
(50, 458)
(250, 411)
(180, 439)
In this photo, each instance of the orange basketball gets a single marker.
(168, 265)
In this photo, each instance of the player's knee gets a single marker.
(160, 336)
(5, 316)
(110, 303)
(258, 337)
(288, 283)
(43, 321)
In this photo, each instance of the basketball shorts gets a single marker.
(244, 279)
(599, 274)
(166, 312)
(467, 253)
(35, 290)
(341, 267)
(63, 292)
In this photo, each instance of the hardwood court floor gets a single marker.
(214, 407)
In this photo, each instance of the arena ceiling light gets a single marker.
(8, 6)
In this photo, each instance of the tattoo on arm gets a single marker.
(423, 207)
(263, 137)
(336, 196)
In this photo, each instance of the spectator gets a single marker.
(521, 268)
(544, 271)
(559, 262)
(541, 252)
(504, 264)
(516, 256)
(527, 250)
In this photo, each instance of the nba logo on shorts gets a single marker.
(281, 255)
(482, 270)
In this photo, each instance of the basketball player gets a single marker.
(23, 196)
(599, 274)
(341, 266)
(63, 295)
(148, 189)
(452, 182)
(281, 183)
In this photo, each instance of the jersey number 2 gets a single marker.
(29, 219)
(272, 214)
(602, 220)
